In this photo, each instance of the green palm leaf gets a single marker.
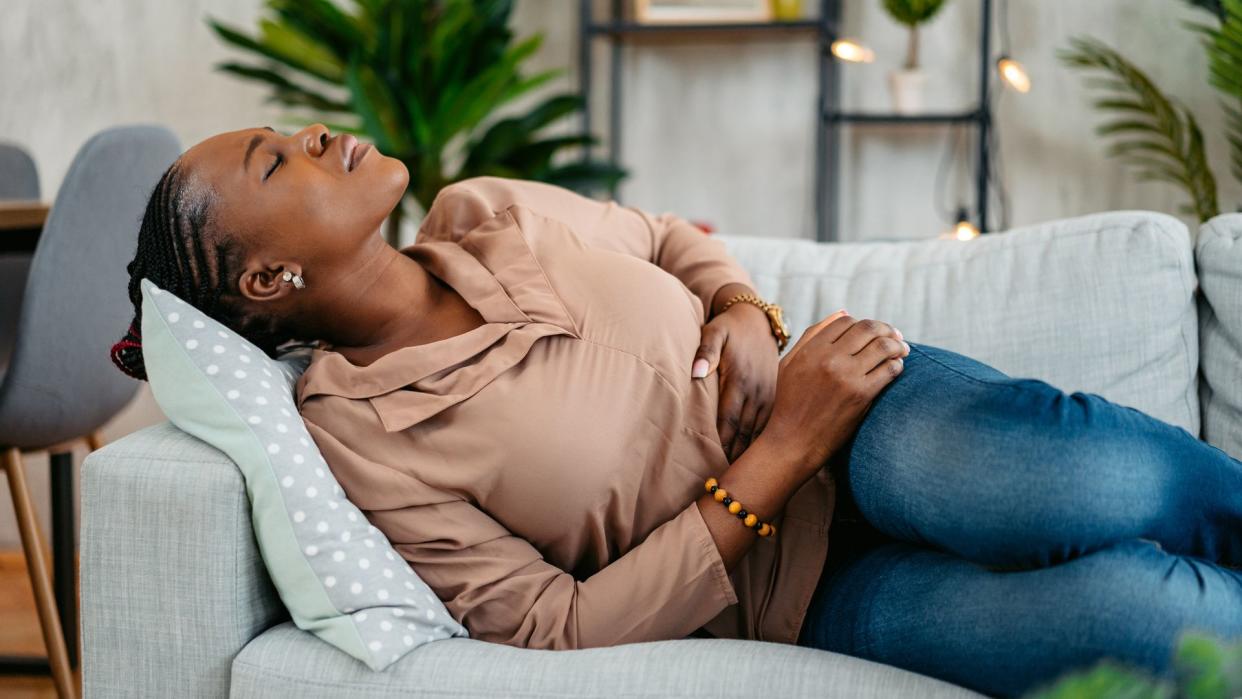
(284, 90)
(1149, 130)
(1223, 45)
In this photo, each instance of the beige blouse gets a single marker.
(540, 471)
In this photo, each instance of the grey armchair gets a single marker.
(60, 385)
(19, 179)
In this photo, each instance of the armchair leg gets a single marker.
(40, 581)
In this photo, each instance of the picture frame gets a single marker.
(701, 11)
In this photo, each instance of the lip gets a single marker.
(356, 156)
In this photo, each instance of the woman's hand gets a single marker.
(827, 382)
(740, 342)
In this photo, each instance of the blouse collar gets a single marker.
(486, 266)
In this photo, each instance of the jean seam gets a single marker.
(1012, 383)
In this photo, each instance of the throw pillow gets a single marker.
(338, 575)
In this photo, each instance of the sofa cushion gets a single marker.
(336, 573)
(286, 663)
(1218, 253)
(1101, 303)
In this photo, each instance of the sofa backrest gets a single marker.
(1102, 303)
(1218, 254)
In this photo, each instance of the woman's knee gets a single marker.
(1006, 632)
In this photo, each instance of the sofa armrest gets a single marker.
(172, 582)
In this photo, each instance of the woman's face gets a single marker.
(309, 202)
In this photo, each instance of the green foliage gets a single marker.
(420, 78)
(912, 13)
(1150, 131)
(1223, 45)
(1204, 668)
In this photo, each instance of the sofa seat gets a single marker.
(285, 661)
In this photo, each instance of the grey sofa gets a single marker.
(176, 601)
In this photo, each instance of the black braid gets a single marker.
(181, 251)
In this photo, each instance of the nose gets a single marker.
(313, 139)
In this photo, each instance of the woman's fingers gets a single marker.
(812, 332)
(886, 371)
(729, 414)
(746, 428)
(854, 339)
(881, 349)
(761, 420)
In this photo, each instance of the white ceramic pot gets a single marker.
(907, 88)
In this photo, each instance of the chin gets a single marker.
(396, 177)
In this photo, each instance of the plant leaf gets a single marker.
(284, 90)
(1152, 132)
(1224, 53)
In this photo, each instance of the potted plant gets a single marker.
(907, 84)
(423, 80)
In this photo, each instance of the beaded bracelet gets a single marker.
(748, 518)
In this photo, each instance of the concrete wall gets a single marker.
(719, 130)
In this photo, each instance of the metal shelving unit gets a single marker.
(825, 29)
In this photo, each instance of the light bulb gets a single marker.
(852, 51)
(1014, 74)
(965, 230)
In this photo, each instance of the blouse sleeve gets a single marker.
(679, 247)
(497, 584)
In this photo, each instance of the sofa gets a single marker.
(176, 601)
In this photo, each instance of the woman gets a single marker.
(530, 401)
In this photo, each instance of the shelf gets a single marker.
(623, 29)
(895, 119)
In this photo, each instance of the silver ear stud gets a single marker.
(298, 283)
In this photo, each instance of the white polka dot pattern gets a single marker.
(336, 542)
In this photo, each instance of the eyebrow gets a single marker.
(254, 143)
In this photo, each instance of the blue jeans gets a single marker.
(1010, 532)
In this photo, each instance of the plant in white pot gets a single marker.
(908, 83)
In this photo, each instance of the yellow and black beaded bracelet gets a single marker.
(735, 507)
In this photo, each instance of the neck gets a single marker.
(387, 300)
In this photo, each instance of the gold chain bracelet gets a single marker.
(775, 318)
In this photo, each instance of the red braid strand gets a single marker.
(132, 341)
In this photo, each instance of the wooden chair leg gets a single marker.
(94, 440)
(40, 580)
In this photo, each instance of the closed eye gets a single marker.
(275, 164)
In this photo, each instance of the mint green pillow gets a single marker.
(338, 575)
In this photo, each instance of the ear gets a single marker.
(265, 281)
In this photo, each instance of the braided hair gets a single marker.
(182, 250)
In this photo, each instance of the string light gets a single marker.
(1010, 70)
(852, 51)
(963, 229)
(1014, 74)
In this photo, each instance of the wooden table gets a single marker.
(20, 224)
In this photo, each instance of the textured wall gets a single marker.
(714, 130)
(724, 130)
